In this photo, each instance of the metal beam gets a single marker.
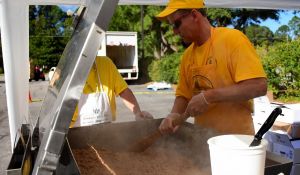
(67, 83)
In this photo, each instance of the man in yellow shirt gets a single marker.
(97, 103)
(220, 72)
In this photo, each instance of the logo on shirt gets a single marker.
(211, 60)
(201, 83)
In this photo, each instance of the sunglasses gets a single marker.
(178, 21)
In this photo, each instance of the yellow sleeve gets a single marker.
(244, 60)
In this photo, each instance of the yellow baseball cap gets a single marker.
(174, 5)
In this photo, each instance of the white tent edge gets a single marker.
(255, 4)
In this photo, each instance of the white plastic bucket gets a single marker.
(231, 155)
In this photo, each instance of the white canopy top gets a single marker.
(256, 4)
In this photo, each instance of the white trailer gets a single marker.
(122, 48)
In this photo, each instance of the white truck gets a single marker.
(122, 48)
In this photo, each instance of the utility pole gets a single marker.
(142, 32)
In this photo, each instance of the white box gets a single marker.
(282, 145)
(283, 150)
(260, 104)
(293, 130)
(279, 137)
(270, 144)
(290, 112)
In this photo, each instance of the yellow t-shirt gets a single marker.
(112, 82)
(225, 59)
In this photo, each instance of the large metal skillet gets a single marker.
(189, 140)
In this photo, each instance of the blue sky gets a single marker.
(67, 7)
(285, 17)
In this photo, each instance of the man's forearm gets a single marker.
(242, 91)
(179, 105)
(130, 101)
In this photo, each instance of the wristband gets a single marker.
(202, 94)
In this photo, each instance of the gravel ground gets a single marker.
(5, 148)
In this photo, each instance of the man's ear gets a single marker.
(195, 13)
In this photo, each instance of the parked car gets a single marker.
(51, 72)
(37, 73)
(159, 86)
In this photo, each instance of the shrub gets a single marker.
(282, 65)
(166, 69)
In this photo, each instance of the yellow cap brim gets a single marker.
(166, 12)
(174, 5)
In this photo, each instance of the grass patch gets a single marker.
(288, 99)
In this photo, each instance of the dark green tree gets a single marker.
(47, 35)
(294, 25)
(240, 18)
(282, 33)
(126, 18)
(154, 33)
(259, 35)
(219, 17)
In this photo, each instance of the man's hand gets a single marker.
(143, 115)
(166, 126)
(197, 105)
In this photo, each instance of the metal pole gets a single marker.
(142, 31)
